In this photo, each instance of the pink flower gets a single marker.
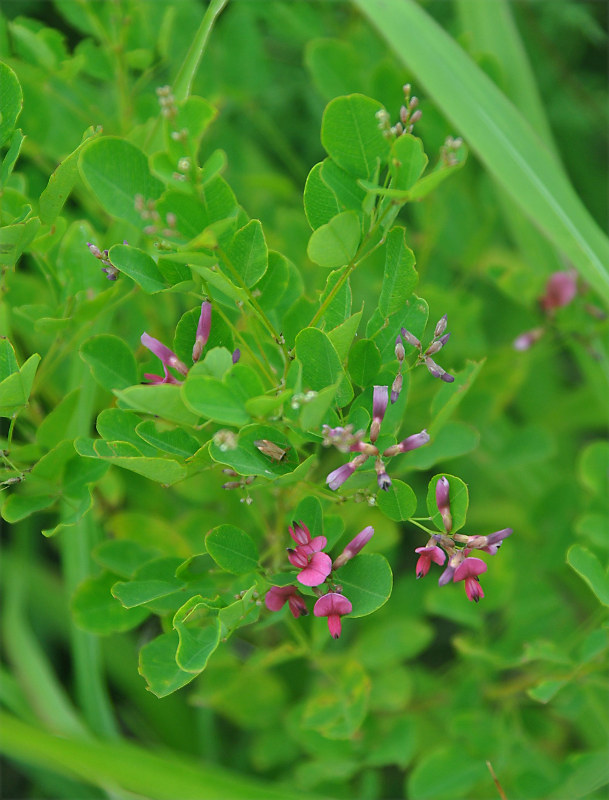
(154, 379)
(426, 556)
(277, 596)
(354, 546)
(468, 570)
(203, 330)
(319, 566)
(333, 606)
(167, 356)
(300, 533)
(561, 288)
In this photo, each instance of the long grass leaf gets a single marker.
(494, 128)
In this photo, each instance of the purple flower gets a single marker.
(155, 379)
(343, 473)
(426, 556)
(411, 443)
(383, 480)
(437, 371)
(354, 546)
(449, 572)
(468, 571)
(333, 606)
(167, 356)
(489, 544)
(236, 355)
(527, 339)
(277, 596)
(443, 502)
(203, 330)
(380, 399)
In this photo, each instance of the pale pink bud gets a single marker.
(167, 356)
(354, 546)
(379, 406)
(440, 326)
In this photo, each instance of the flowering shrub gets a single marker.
(233, 430)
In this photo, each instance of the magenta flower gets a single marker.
(154, 379)
(380, 399)
(167, 356)
(317, 568)
(443, 502)
(561, 288)
(203, 330)
(333, 606)
(354, 546)
(300, 533)
(489, 544)
(468, 570)
(426, 556)
(277, 596)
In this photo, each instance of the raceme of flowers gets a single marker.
(315, 569)
(461, 566)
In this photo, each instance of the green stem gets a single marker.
(182, 84)
(245, 344)
(254, 303)
(413, 521)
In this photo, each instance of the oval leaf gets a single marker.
(232, 549)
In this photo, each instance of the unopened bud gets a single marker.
(443, 502)
(396, 388)
(416, 116)
(383, 480)
(410, 338)
(400, 353)
(440, 326)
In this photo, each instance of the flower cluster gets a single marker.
(437, 343)
(409, 114)
(109, 269)
(316, 568)
(346, 441)
(461, 566)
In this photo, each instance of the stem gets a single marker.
(422, 527)
(254, 303)
(183, 80)
(245, 344)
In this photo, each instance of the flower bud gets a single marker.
(400, 353)
(440, 326)
(396, 388)
(443, 502)
(410, 338)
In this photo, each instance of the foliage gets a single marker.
(249, 200)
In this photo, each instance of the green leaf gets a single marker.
(60, 423)
(351, 135)
(153, 580)
(123, 556)
(12, 154)
(62, 181)
(215, 400)
(117, 172)
(115, 424)
(345, 187)
(199, 634)
(8, 359)
(248, 252)
(122, 454)
(335, 243)
(11, 101)
(159, 668)
(163, 400)
(170, 440)
(364, 362)
(367, 581)
(333, 66)
(339, 307)
(138, 266)
(343, 335)
(590, 569)
(399, 502)
(15, 389)
(321, 366)
(454, 439)
(320, 202)
(413, 317)
(444, 775)
(246, 458)
(496, 130)
(459, 502)
(232, 549)
(309, 512)
(97, 611)
(111, 361)
(220, 335)
(407, 161)
(399, 277)
(594, 468)
(315, 411)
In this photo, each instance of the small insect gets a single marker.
(272, 450)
